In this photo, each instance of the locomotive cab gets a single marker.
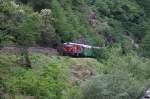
(71, 49)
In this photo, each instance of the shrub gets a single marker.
(49, 84)
(121, 77)
(117, 86)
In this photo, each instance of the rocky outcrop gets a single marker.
(146, 94)
(80, 73)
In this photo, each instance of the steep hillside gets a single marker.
(62, 77)
(69, 72)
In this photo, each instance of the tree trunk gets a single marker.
(1, 46)
(25, 61)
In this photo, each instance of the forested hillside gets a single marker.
(120, 70)
(51, 22)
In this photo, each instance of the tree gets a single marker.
(63, 28)
(48, 34)
(20, 25)
(120, 10)
(27, 33)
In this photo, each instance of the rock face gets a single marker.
(146, 95)
(80, 73)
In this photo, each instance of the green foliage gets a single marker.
(19, 23)
(113, 87)
(122, 10)
(104, 53)
(139, 30)
(50, 83)
(145, 46)
(135, 65)
(122, 77)
(69, 19)
(27, 30)
(145, 4)
(118, 75)
(61, 21)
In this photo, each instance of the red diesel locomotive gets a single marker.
(75, 49)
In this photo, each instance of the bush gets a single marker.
(49, 84)
(117, 86)
(121, 77)
(50, 81)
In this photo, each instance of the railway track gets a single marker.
(43, 50)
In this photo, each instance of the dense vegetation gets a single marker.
(120, 26)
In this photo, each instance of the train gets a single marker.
(76, 49)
